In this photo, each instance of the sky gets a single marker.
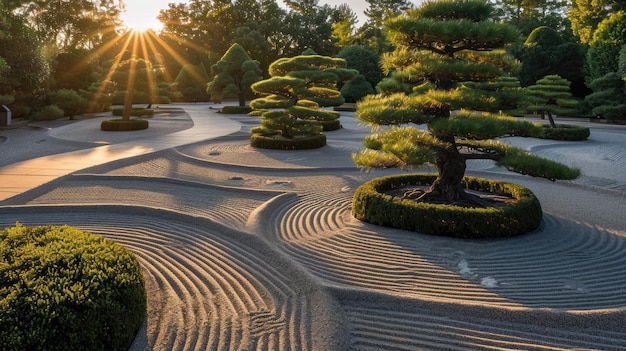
(141, 14)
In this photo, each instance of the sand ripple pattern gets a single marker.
(209, 288)
(564, 265)
(385, 327)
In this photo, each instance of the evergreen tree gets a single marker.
(546, 53)
(299, 87)
(191, 81)
(233, 75)
(603, 54)
(440, 44)
(552, 95)
(608, 99)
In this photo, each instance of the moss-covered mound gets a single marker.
(565, 132)
(371, 204)
(65, 289)
(120, 125)
(280, 143)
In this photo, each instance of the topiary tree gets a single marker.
(608, 99)
(192, 82)
(551, 95)
(299, 87)
(233, 75)
(440, 44)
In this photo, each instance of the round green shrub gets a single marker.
(66, 289)
(236, 110)
(117, 125)
(371, 204)
(280, 143)
(565, 132)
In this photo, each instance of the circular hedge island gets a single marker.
(123, 125)
(516, 212)
(66, 289)
(300, 142)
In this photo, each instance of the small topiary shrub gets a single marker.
(118, 125)
(371, 204)
(135, 111)
(236, 110)
(565, 132)
(330, 125)
(66, 289)
(280, 143)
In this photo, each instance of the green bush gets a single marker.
(48, 113)
(118, 125)
(236, 110)
(65, 289)
(565, 132)
(70, 102)
(280, 143)
(372, 205)
(135, 111)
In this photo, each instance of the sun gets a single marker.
(139, 16)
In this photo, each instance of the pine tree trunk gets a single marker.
(451, 166)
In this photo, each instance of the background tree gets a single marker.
(344, 28)
(66, 25)
(440, 44)
(192, 81)
(233, 75)
(608, 99)
(70, 101)
(551, 95)
(546, 53)
(356, 89)
(28, 68)
(604, 48)
(586, 15)
(526, 15)
(6, 93)
(365, 60)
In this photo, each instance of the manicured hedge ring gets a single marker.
(565, 132)
(66, 289)
(120, 125)
(371, 204)
(279, 143)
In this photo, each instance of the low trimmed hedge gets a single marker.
(236, 110)
(66, 289)
(120, 125)
(371, 204)
(280, 143)
(565, 132)
(330, 125)
(135, 111)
